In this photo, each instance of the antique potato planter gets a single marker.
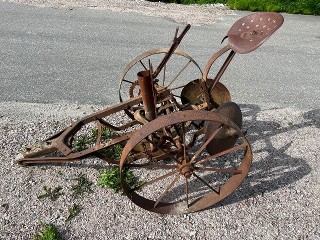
(179, 132)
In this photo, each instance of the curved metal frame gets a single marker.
(149, 53)
(202, 202)
(245, 35)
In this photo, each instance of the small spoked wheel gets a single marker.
(175, 170)
(178, 71)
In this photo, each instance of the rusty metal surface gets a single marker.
(226, 138)
(183, 139)
(185, 160)
(149, 95)
(175, 44)
(128, 81)
(192, 93)
(62, 144)
(250, 32)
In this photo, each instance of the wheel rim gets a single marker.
(176, 74)
(177, 176)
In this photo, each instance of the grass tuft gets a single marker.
(51, 194)
(73, 211)
(82, 186)
(111, 179)
(48, 232)
(84, 141)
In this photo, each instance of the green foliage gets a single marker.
(111, 178)
(191, 1)
(5, 126)
(55, 124)
(80, 143)
(310, 7)
(73, 211)
(82, 186)
(290, 6)
(114, 152)
(48, 232)
(106, 133)
(52, 194)
(85, 141)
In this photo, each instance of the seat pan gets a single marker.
(250, 32)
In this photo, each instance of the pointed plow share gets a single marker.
(183, 139)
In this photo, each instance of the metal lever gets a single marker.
(175, 44)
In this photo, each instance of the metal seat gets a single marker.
(249, 32)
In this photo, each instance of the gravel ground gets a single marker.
(278, 200)
(194, 14)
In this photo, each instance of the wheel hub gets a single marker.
(186, 168)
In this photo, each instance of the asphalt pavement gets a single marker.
(49, 55)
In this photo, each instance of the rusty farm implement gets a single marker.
(183, 139)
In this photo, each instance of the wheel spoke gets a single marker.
(176, 95)
(143, 65)
(127, 81)
(222, 153)
(205, 144)
(152, 166)
(184, 141)
(226, 170)
(162, 150)
(178, 74)
(178, 87)
(167, 190)
(164, 74)
(153, 181)
(187, 193)
(207, 184)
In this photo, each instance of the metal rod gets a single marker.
(147, 93)
(175, 44)
(222, 69)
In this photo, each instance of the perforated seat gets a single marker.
(250, 32)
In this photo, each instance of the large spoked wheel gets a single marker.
(178, 71)
(176, 173)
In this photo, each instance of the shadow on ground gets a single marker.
(272, 167)
(277, 169)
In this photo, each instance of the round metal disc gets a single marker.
(192, 93)
(250, 32)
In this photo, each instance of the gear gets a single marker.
(132, 88)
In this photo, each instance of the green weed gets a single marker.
(6, 126)
(48, 232)
(83, 185)
(55, 124)
(84, 141)
(309, 7)
(81, 143)
(111, 179)
(52, 194)
(73, 211)
(114, 152)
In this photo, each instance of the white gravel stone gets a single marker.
(278, 200)
(193, 14)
